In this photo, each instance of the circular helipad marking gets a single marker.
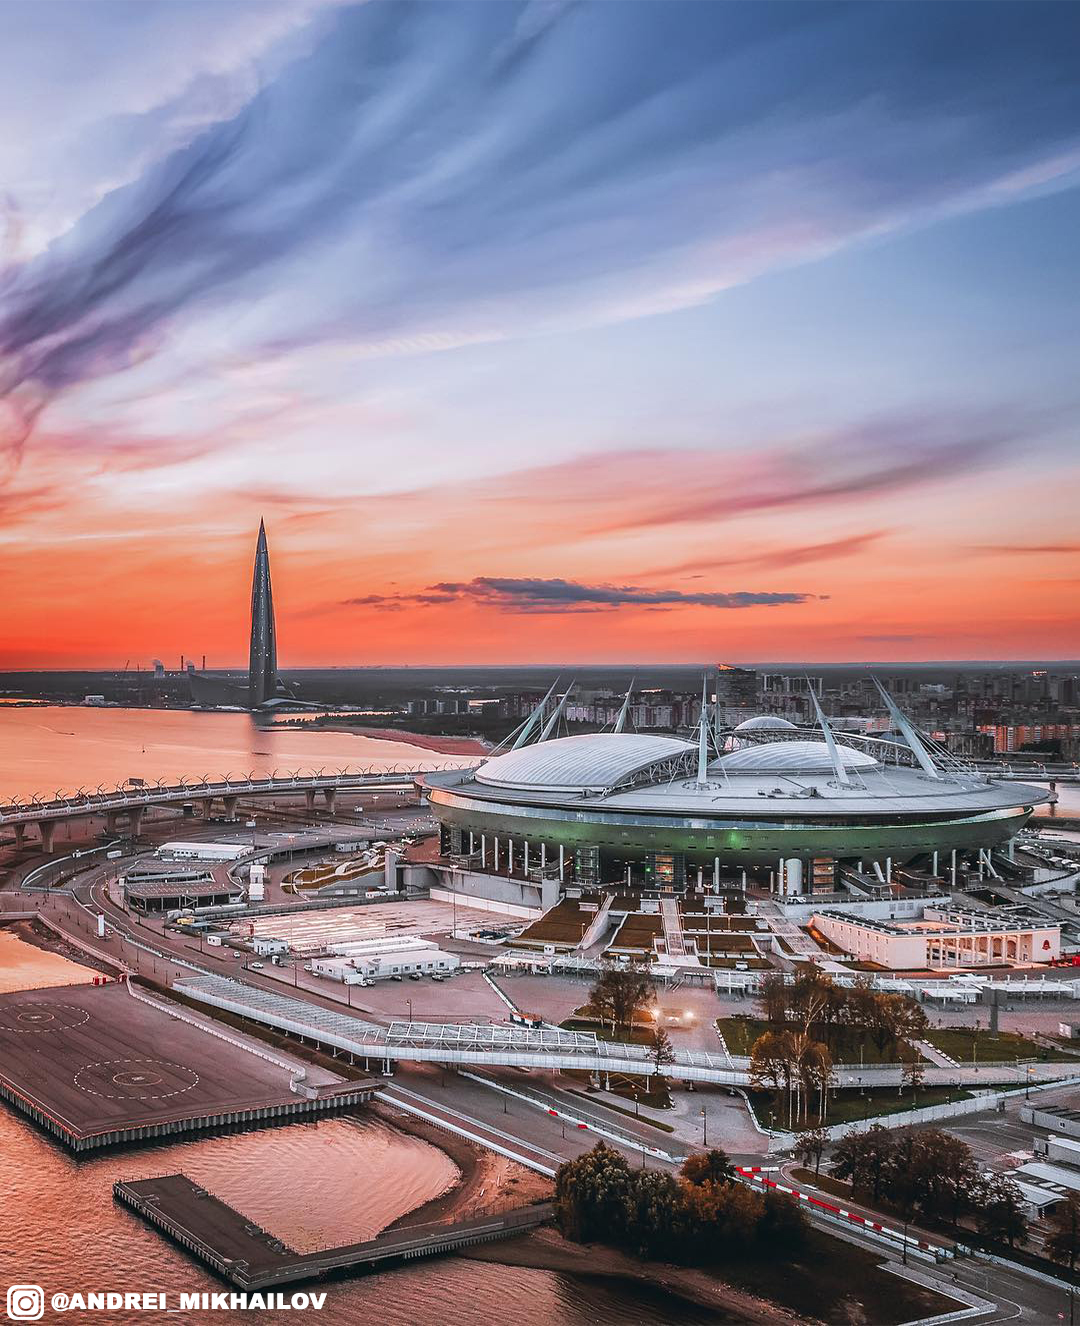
(135, 1079)
(26, 1018)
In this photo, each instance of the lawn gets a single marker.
(848, 1105)
(740, 1033)
(988, 1047)
(833, 1281)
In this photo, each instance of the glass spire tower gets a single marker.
(262, 661)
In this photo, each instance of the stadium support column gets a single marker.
(543, 857)
(933, 868)
(716, 874)
(526, 856)
(496, 853)
(954, 867)
(483, 851)
(562, 862)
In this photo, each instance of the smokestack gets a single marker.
(181, 662)
(204, 662)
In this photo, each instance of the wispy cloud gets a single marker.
(1027, 549)
(851, 545)
(568, 596)
(460, 172)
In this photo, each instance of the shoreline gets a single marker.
(426, 741)
(546, 1250)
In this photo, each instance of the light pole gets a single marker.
(409, 1002)
(704, 1128)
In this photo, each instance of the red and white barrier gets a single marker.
(754, 1173)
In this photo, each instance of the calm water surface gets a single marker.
(46, 749)
(313, 1184)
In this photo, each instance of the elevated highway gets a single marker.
(128, 804)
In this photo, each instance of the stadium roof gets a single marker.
(593, 762)
(765, 722)
(792, 757)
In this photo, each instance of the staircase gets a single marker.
(674, 943)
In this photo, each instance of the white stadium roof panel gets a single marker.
(790, 757)
(597, 760)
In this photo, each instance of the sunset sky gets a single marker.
(539, 332)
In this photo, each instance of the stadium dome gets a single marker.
(592, 762)
(791, 757)
(763, 723)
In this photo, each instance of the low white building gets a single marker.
(381, 959)
(944, 936)
(197, 851)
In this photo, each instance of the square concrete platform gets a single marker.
(95, 1066)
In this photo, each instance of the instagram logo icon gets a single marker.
(25, 1302)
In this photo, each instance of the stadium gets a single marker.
(766, 804)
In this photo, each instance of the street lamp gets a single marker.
(704, 1127)
(409, 1002)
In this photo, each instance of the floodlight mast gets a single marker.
(910, 735)
(830, 741)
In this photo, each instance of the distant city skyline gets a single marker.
(755, 339)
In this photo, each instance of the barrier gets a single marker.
(935, 1250)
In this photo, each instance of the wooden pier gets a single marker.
(250, 1258)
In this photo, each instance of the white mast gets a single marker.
(830, 741)
(534, 718)
(910, 735)
(549, 726)
(703, 735)
(620, 722)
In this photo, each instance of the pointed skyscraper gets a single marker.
(262, 661)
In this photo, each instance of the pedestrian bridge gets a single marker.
(549, 1048)
(131, 801)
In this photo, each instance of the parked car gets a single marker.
(414, 976)
(257, 966)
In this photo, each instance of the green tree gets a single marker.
(654, 1218)
(864, 1159)
(1063, 1240)
(591, 1195)
(811, 1147)
(783, 1226)
(773, 996)
(661, 1051)
(619, 994)
(999, 1210)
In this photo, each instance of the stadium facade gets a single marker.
(766, 802)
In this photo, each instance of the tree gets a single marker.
(811, 993)
(773, 1058)
(1063, 1241)
(591, 1195)
(999, 1210)
(619, 993)
(864, 1159)
(661, 1051)
(913, 1072)
(708, 1167)
(773, 996)
(816, 1074)
(653, 1220)
(783, 1225)
(811, 1147)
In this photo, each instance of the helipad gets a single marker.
(95, 1066)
